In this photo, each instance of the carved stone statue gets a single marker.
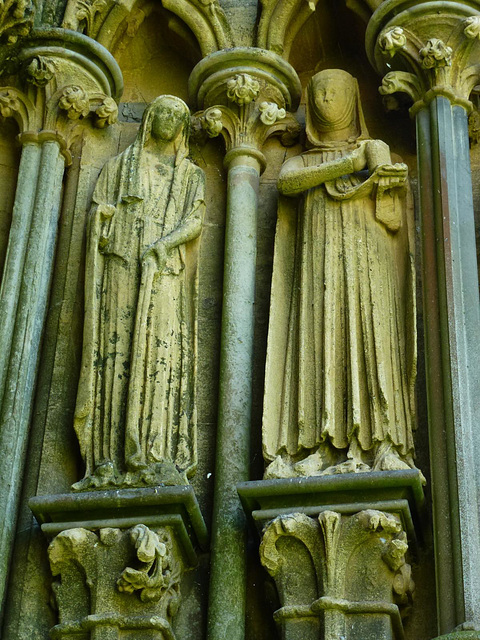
(341, 361)
(135, 415)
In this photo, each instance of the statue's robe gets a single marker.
(136, 397)
(341, 343)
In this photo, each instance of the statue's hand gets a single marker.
(157, 253)
(359, 157)
(106, 211)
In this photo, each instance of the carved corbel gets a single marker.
(113, 580)
(440, 55)
(347, 575)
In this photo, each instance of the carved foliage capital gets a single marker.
(436, 54)
(16, 104)
(110, 571)
(79, 104)
(83, 15)
(158, 572)
(441, 52)
(251, 111)
(392, 41)
(16, 19)
(74, 100)
(39, 71)
(242, 89)
(471, 27)
(9, 103)
(349, 564)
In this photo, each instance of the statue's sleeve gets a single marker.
(197, 194)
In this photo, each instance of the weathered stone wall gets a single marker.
(155, 61)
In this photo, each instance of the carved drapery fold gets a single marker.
(340, 372)
(138, 427)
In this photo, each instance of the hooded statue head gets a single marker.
(159, 114)
(333, 104)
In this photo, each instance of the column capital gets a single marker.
(426, 50)
(63, 79)
(245, 95)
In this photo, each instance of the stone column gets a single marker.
(65, 79)
(245, 94)
(438, 43)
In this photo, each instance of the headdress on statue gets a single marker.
(352, 115)
(134, 191)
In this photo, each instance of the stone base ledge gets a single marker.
(399, 492)
(176, 507)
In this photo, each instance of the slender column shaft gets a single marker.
(228, 563)
(16, 250)
(16, 401)
(452, 342)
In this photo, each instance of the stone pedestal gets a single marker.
(117, 559)
(336, 547)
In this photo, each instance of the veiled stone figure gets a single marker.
(341, 361)
(135, 415)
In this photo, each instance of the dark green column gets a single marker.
(22, 342)
(452, 345)
(226, 616)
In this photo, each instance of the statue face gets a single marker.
(334, 98)
(168, 120)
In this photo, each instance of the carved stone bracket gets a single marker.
(437, 42)
(103, 572)
(347, 575)
(119, 558)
